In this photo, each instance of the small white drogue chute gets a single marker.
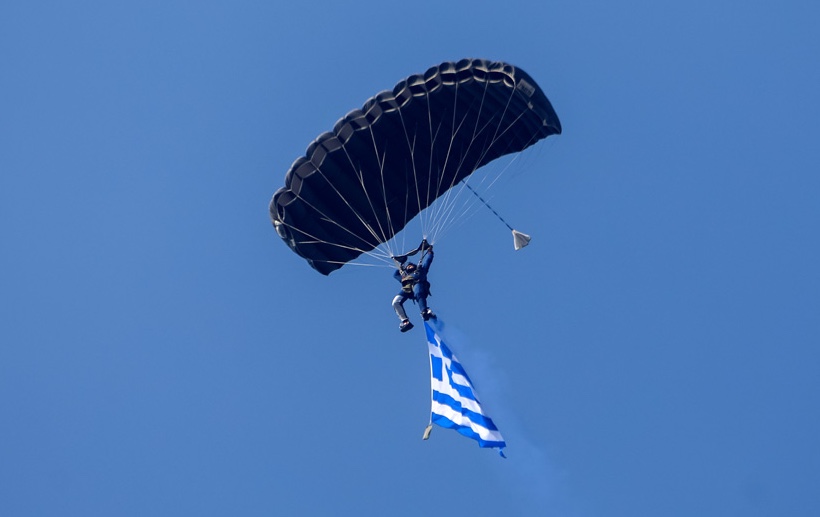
(520, 239)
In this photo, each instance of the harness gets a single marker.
(409, 280)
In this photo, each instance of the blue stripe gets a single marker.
(463, 391)
(446, 352)
(466, 431)
(477, 418)
(456, 366)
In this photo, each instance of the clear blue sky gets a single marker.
(654, 352)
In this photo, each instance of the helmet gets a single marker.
(410, 267)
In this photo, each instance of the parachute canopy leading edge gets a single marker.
(383, 164)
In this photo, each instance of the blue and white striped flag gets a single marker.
(455, 404)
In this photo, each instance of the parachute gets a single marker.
(383, 165)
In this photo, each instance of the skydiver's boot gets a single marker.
(427, 314)
(405, 325)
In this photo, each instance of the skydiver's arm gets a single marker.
(427, 259)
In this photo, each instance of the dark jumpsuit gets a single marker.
(414, 285)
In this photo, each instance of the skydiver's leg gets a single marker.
(422, 303)
(421, 292)
(398, 305)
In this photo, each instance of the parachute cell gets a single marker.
(360, 184)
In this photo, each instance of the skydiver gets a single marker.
(414, 284)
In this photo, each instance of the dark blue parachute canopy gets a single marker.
(360, 184)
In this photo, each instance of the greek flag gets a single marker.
(455, 404)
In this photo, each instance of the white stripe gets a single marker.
(458, 418)
(444, 387)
